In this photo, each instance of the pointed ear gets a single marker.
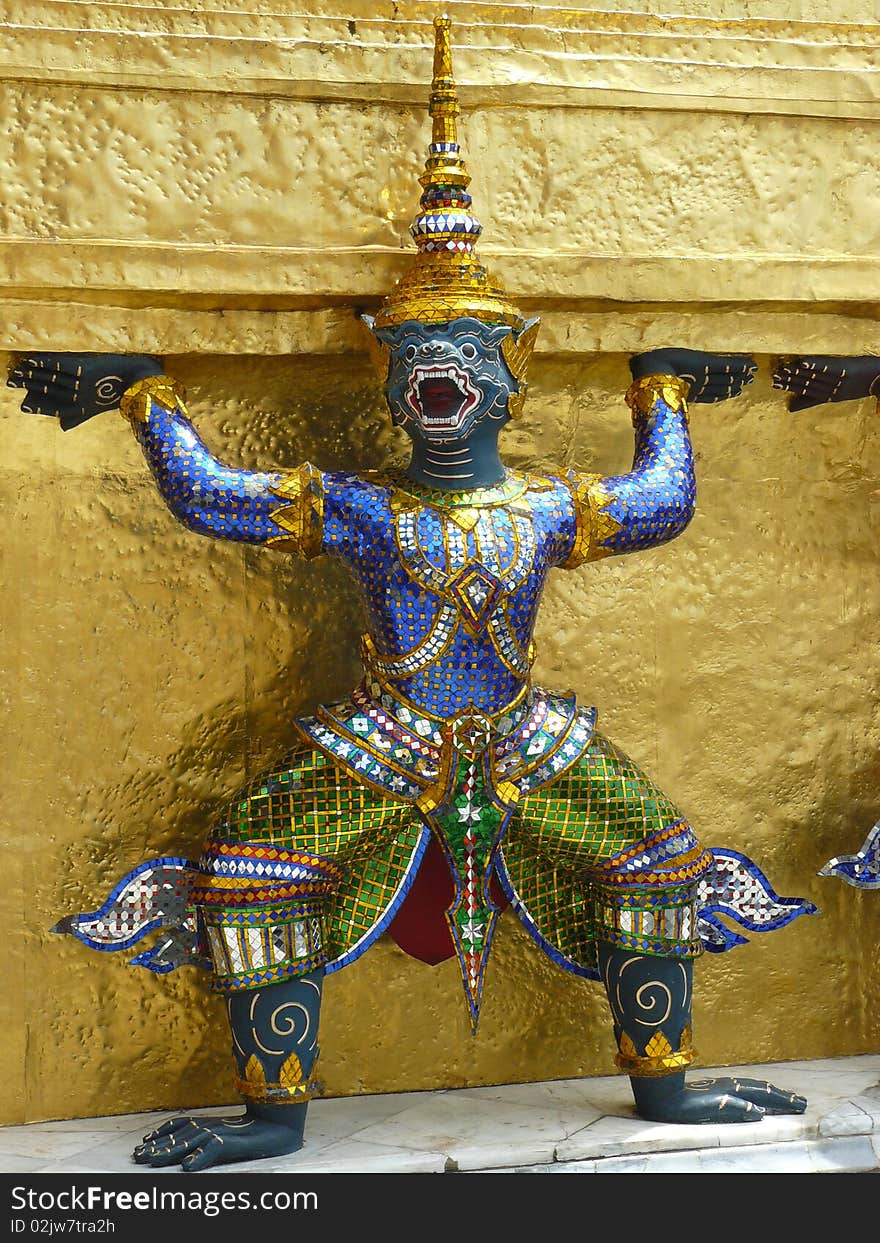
(517, 349)
(377, 348)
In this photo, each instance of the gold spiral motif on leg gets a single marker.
(290, 1021)
(650, 1000)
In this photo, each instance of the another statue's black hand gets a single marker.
(814, 379)
(712, 377)
(76, 387)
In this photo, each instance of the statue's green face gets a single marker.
(445, 380)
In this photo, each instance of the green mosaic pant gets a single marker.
(598, 854)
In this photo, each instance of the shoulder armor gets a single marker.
(594, 525)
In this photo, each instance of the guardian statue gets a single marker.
(447, 758)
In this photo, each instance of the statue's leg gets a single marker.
(291, 858)
(275, 1046)
(261, 917)
(606, 870)
(651, 1004)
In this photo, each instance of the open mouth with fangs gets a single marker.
(441, 398)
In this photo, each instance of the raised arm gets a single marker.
(273, 508)
(814, 379)
(654, 502)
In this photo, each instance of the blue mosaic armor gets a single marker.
(450, 581)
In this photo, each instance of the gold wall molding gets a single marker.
(507, 55)
(30, 324)
(80, 295)
(321, 274)
(159, 155)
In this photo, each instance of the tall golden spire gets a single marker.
(444, 166)
(446, 279)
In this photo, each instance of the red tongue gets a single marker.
(439, 397)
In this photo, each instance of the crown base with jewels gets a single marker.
(447, 285)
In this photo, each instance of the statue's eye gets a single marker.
(409, 353)
(469, 350)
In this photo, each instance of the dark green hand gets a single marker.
(712, 377)
(814, 379)
(76, 387)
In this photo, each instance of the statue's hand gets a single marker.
(815, 379)
(712, 377)
(713, 1100)
(76, 387)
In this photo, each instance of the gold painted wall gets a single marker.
(225, 193)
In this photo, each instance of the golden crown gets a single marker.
(446, 279)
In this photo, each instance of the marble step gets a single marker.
(561, 1126)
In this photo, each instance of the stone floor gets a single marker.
(566, 1126)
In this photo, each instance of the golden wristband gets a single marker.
(134, 404)
(642, 395)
